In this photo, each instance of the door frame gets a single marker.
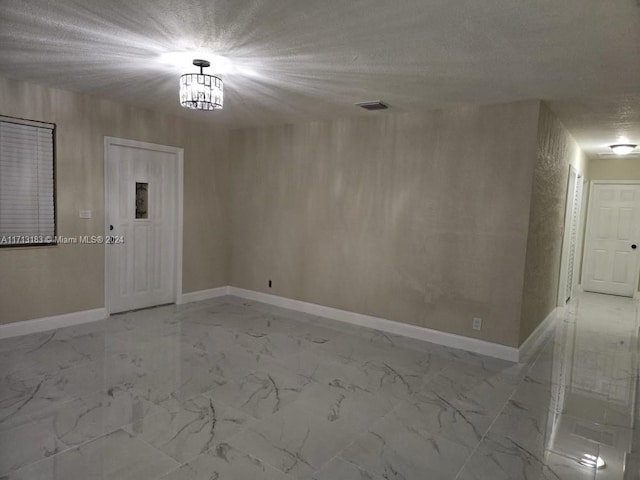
(587, 232)
(561, 299)
(179, 152)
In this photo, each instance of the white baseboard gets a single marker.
(533, 341)
(49, 323)
(76, 318)
(203, 295)
(435, 336)
(475, 345)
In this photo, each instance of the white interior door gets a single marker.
(142, 213)
(611, 255)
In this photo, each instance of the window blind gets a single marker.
(27, 203)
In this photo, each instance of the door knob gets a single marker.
(111, 228)
(634, 246)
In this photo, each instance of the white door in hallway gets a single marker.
(143, 209)
(611, 256)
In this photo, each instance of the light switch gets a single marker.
(85, 213)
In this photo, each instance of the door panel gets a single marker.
(604, 222)
(625, 222)
(620, 262)
(610, 261)
(600, 269)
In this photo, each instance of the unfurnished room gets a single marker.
(319, 240)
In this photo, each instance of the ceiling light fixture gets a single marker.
(623, 148)
(200, 91)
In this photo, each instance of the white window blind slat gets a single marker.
(28, 191)
(24, 215)
(26, 179)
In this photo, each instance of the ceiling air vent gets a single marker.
(377, 105)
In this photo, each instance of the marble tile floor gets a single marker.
(234, 389)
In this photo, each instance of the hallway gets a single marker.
(576, 405)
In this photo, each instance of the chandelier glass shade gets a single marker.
(200, 91)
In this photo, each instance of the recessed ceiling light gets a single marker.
(623, 148)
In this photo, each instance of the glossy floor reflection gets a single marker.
(231, 389)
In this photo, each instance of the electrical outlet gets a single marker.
(477, 323)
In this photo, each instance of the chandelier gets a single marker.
(200, 91)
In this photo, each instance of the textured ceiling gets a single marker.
(313, 59)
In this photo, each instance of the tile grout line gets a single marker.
(504, 406)
(358, 436)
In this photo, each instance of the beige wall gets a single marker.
(42, 281)
(556, 150)
(614, 168)
(418, 218)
